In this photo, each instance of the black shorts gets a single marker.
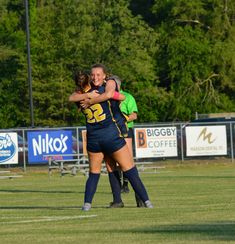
(107, 140)
(130, 133)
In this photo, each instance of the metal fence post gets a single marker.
(231, 141)
(182, 144)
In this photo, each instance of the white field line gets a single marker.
(49, 219)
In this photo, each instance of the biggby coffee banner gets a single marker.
(156, 142)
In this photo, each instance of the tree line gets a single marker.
(176, 57)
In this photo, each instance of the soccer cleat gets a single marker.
(148, 204)
(125, 189)
(116, 205)
(86, 206)
(139, 202)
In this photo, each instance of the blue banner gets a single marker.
(42, 143)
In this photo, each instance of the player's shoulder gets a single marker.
(110, 80)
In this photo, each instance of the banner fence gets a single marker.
(181, 141)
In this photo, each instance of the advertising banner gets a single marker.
(156, 142)
(206, 140)
(42, 143)
(8, 148)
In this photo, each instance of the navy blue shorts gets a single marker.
(107, 140)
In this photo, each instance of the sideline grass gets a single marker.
(193, 204)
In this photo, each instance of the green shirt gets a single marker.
(129, 106)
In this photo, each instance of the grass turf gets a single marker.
(194, 203)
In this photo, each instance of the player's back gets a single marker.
(98, 115)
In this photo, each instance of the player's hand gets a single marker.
(85, 103)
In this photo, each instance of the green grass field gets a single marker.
(194, 203)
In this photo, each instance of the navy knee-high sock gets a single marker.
(133, 177)
(118, 175)
(91, 186)
(115, 187)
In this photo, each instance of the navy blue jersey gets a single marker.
(98, 115)
(103, 133)
(118, 115)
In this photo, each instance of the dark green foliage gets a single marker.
(195, 55)
(175, 57)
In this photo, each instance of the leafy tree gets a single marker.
(13, 86)
(190, 45)
(143, 8)
(68, 35)
(177, 60)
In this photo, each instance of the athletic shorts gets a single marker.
(106, 140)
(130, 133)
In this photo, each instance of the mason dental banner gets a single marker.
(8, 148)
(42, 143)
(206, 140)
(156, 142)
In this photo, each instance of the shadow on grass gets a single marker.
(214, 231)
(48, 207)
(39, 207)
(199, 177)
(42, 191)
(49, 191)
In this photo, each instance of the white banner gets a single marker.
(156, 142)
(8, 148)
(206, 140)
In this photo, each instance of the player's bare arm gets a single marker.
(109, 93)
(77, 97)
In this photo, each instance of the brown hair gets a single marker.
(100, 66)
(82, 81)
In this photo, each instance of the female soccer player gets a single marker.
(82, 82)
(104, 137)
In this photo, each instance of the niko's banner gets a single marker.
(42, 143)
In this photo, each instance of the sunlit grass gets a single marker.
(193, 204)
